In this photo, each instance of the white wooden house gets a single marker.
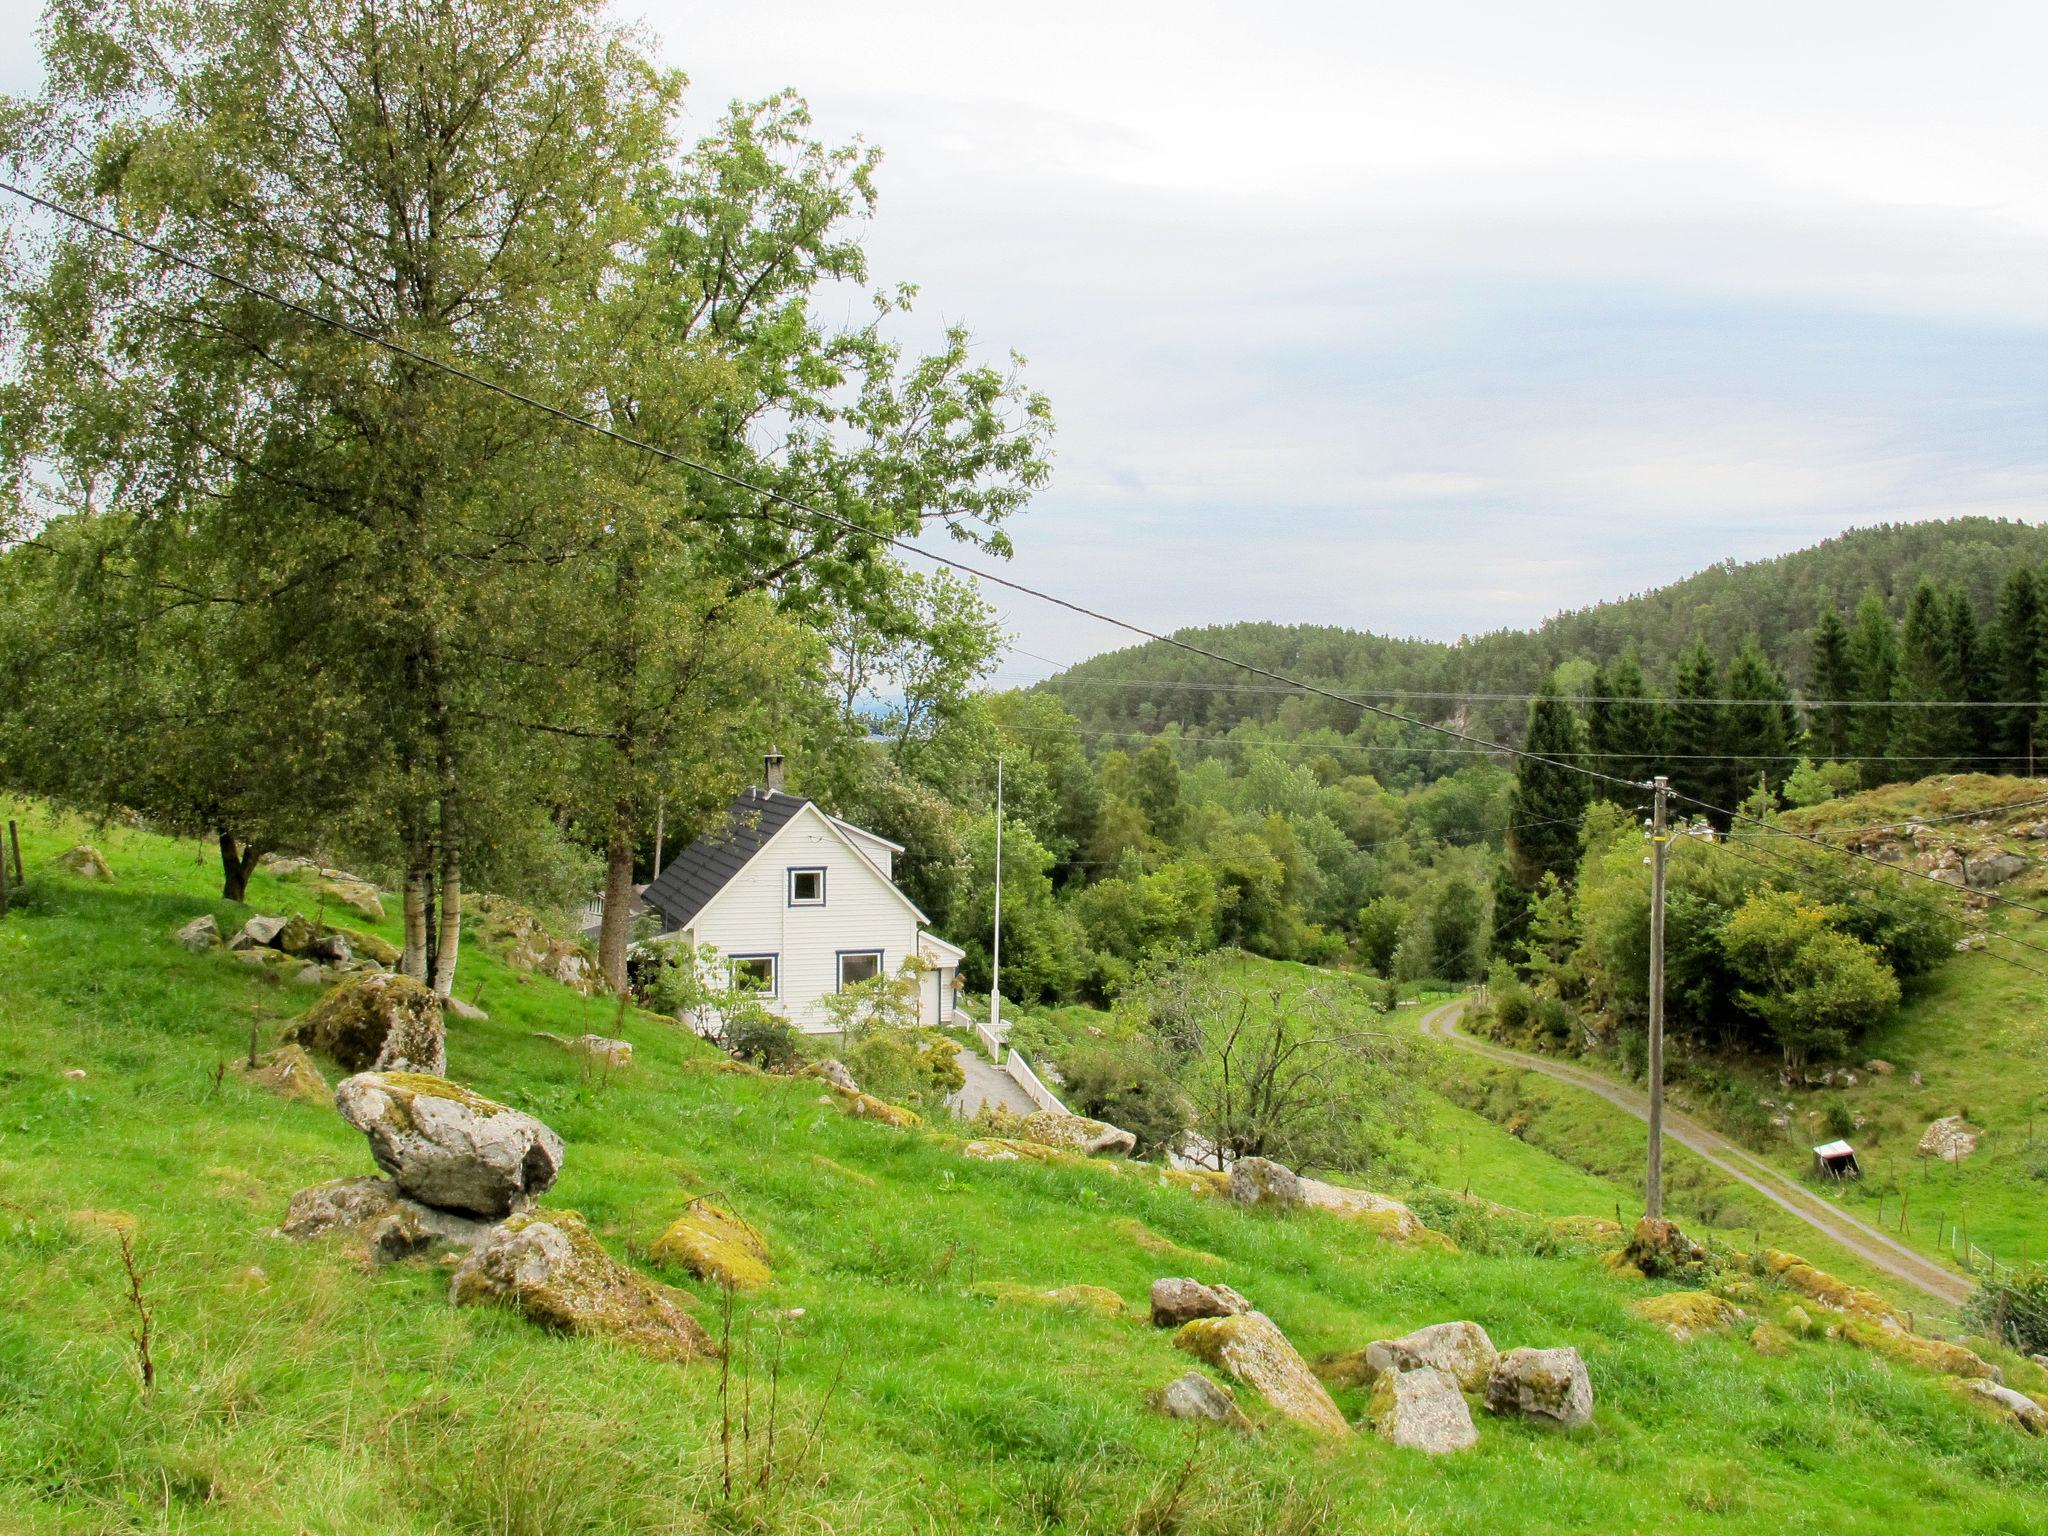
(798, 905)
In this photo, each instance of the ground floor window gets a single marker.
(754, 973)
(858, 965)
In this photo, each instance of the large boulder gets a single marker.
(448, 1147)
(1460, 1350)
(1261, 1181)
(549, 1266)
(1951, 1138)
(1384, 1214)
(1200, 1398)
(375, 1022)
(1251, 1349)
(373, 1212)
(2022, 1409)
(1547, 1384)
(713, 1244)
(86, 862)
(1423, 1410)
(358, 896)
(259, 932)
(290, 1073)
(1178, 1299)
(1050, 1128)
(1995, 868)
(199, 935)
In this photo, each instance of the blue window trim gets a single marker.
(839, 964)
(789, 884)
(774, 958)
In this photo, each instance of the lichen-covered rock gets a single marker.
(550, 1267)
(1951, 1138)
(84, 861)
(290, 1073)
(199, 935)
(1542, 1384)
(865, 1106)
(834, 1071)
(358, 896)
(2017, 1406)
(1423, 1410)
(374, 1213)
(524, 943)
(1660, 1251)
(1202, 1183)
(1586, 1229)
(1098, 1299)
(991, 1149)
(604, 1050)
(1461, 1350)
(1769, 1339)
(377, 1023)
(713, 1244)
(1819, 1286)
(258, 933)
(1686, 1315)
(1251, 1349)
(449, 1147)
(1198, 1397)
(1072, 1133)
(369, 946)
(1261, 1181)
(1384, 1214)
(1935, 1355)
(1178, 1299)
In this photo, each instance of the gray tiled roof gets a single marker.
(708, 865)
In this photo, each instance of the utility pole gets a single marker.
(1660, 843)
(995, 964)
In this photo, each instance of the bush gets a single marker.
(1128, 1088)
(754, 1034)
(2014, 1309)
(906, 1066)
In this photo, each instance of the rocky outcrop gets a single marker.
(524, 943)
(85, 862)
(1250, 1349)
(833, 1071)
(548, 1266)
(377, 1023)
(372, 1211)
(1686, 1315)
(1817, 1285)
(1198, 1397)
(713, 1244)
(1178, 1300)
(1072, 1133)
(448, 1147)
(1261, 1181)
(1384, 1214)
(1548, 1384)
(1461, 1350)
(1423, 1410)
(199, 935)
(258, 932)
(2021, 1409)
(1951, 1138)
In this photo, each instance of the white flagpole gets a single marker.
(995, 966)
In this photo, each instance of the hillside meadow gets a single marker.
(870, 1388)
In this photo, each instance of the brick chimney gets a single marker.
(771, 772)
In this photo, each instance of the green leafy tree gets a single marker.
(1381, 923)
(1457, 919)
(1815, 988)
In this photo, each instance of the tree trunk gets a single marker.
(236, 867)
(449, 940)
(616, 928)
(414, 961)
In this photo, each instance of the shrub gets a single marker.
(754, 1034)
(2013, 1308)
(1129, 1088)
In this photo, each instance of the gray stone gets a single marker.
(1261, 1181)
(612, 1053)
(1422, 1410)
(448, 1147)
(1996, 869)
(1388, 1215)
(2027, 1413)
(1460, 1350)
(200, 935)
(834, 1071)
(1542, 1384)
(1178, 1299)
(258, 933)
(373, 1210)
(1198, 1397)
(469, 1013)
(1951, 1138)
(379, 1023)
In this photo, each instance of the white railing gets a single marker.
(1039, 1094)
(991, 1045)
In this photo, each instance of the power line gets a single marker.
(739, 482)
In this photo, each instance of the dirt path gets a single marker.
(1874, 1247)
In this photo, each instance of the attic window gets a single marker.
(807, 887)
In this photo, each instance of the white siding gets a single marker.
(862, 911)
(883, 855)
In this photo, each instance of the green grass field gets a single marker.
(298, 1390)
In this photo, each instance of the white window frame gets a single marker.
(790, 888)
(774, 987)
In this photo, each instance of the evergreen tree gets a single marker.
(1976, 668)
(1759, 730)
(1626, 733)
(1698, 726)
(2016, 641)
(1874, 658)
(1927, 740)
(1830, 682)
(1548, 799)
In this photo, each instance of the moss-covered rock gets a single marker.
(290, 1073)
(1251, 1349)
(450, 1147)
(1911, 1349)
(1073, 1133)
(369, 945)
(1142, 1237)
(1422, 1410)
(550, 1267)
(357, 896)
(1203, 1183)
(1658, 1250)
(713, 1244)
(865, 1106)
(376, 1023)
(1078, 1298)
(1820, 1286)
(382, 1223)
(1547, 1384)
(1687, 1315)
(1769, 1339)
(85, 862)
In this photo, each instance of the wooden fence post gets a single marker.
(3, 883)
(14, 837)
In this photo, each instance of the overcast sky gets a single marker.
(1429, 319)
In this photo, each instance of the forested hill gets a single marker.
(1776, 602)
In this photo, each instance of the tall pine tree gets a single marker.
(1698, 725)
(1830, 683)
(1926, 737)
(1548, 800)
(2016, 638)
(1627, 732)
(1760, 723)
(1874, 657)
(1975, 677)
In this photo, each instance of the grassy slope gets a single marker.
(326, 1397)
